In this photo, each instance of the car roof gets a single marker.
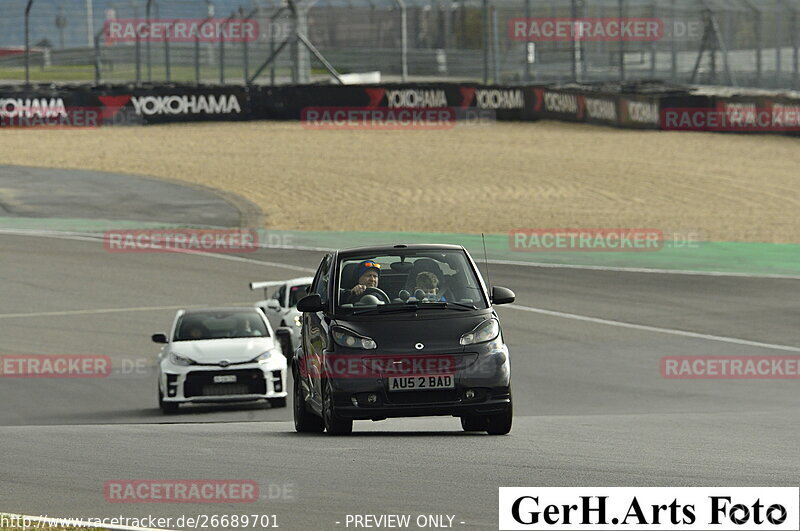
(220, 309)
(378, 249)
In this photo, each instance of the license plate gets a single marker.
(421, 383)
(225, 378)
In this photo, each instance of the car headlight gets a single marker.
(486, 331)
(346, 338)
(298, 321)
(177, 359)
(264, 356)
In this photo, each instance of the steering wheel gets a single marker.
(378, 292)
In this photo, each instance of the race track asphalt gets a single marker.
(591, 407)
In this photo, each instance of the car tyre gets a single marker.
(277, 402)
(473, 423)
(168, 408)
(304, 420)
(333, 424)
(500, 424)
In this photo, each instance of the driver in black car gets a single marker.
(368, 272)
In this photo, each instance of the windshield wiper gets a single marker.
(418, 306)
(449, 306)
(388, 309)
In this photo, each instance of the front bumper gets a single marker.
(481, 387)
(196, 383)
(498, 401)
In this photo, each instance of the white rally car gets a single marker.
(280, 307)
(220, 355)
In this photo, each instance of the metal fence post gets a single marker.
(98, 75)
(778, 49)
(574, 59)
(222, 51)
(654, 44)
(28, 43)
(403, 39)
(495, 47)
(89, 21)
(621, 42)
(197, 58)
(526, 48)
(485, 42)
(796, 51)
(168, 70)
(272, 51)
(197, 49)
(674, 44)
(147, 10)
(138, 53)
(759, 46)
(246, 47)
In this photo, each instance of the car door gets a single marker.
(274, 308)
(315, 331)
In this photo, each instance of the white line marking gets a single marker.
(645, 270)
(90, 237)
(83, 236)
(234, 258)
(646, 328)
(117, 310)
(546, 265)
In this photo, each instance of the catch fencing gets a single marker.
(744, 43)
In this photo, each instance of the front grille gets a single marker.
(423, 397)
(201, 383)
(225, 389)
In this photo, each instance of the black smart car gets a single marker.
(401, 331)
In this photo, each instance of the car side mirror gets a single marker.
(310, 304)
(159, 338)
(502, 295)
(272, 304)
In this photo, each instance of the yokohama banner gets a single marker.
(667, 108)
(106, 106)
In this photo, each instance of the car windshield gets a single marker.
(408, 280)
(220, 325)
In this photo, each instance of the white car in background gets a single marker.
(220, 355)
(280, 307)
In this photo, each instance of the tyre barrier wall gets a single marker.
(631, 107)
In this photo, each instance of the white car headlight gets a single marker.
(486, 331)
(177, 359)
(298, 321)
(349, 339)
(264, 356)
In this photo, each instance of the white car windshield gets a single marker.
(201, 325)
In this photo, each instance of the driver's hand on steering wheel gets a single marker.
(359, 289)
